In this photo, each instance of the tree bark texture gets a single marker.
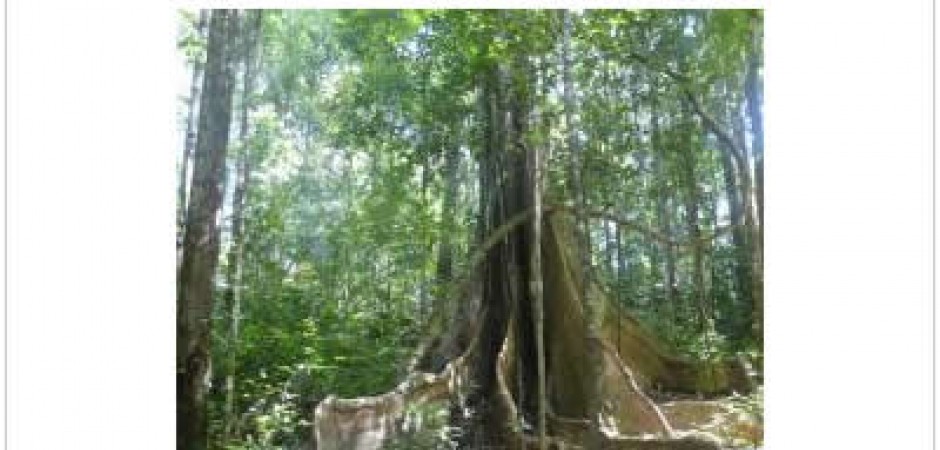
(201, 241)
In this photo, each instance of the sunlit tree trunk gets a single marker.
(736, 145)
(664, 212)
(576, 188)
(692, 194)
(201, 241)
(650, 173)
(233, 295)
(733, 187)
(610, 269)
(535, 286)
(754, 95)
(752, 248)
(621, 274)
(629, 141)
(612, 145)
(190, 138)
(692, 222)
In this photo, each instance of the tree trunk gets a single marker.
(733, 194)
(691, 219)
(754, 94)
(664, 212)
(621, 265)
(201, 242)
(189, 141)
(752, 248)
(629, 412)
(626, 141)
(445, 253)
(500, 267)
(582, 230)
(233, 295)
(738, 149)
(692, 197)
(535, 286)
(610, 251)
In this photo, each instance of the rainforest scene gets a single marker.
(470, 229)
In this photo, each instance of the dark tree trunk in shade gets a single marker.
(200, 251)
(496, 301)
(510, 288)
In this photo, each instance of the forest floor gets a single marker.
(737, 420)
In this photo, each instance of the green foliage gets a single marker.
(709, 345)
(351, 119)
(190, 41)
(426, 427)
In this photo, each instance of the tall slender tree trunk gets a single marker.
(692, 222)
(189, 140)
(739, 151)
(582, 230)
(233, 296)
(625, 142)
(664, 213)
(445, 253)
(752, 248)
(669, 259)
(536, 154)
(462, 310)
(201, 241)
(621, 275)
(692, 194)
(536, 288)
(612, 143)
(733, 195)
(610, 251)
(753, 89)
